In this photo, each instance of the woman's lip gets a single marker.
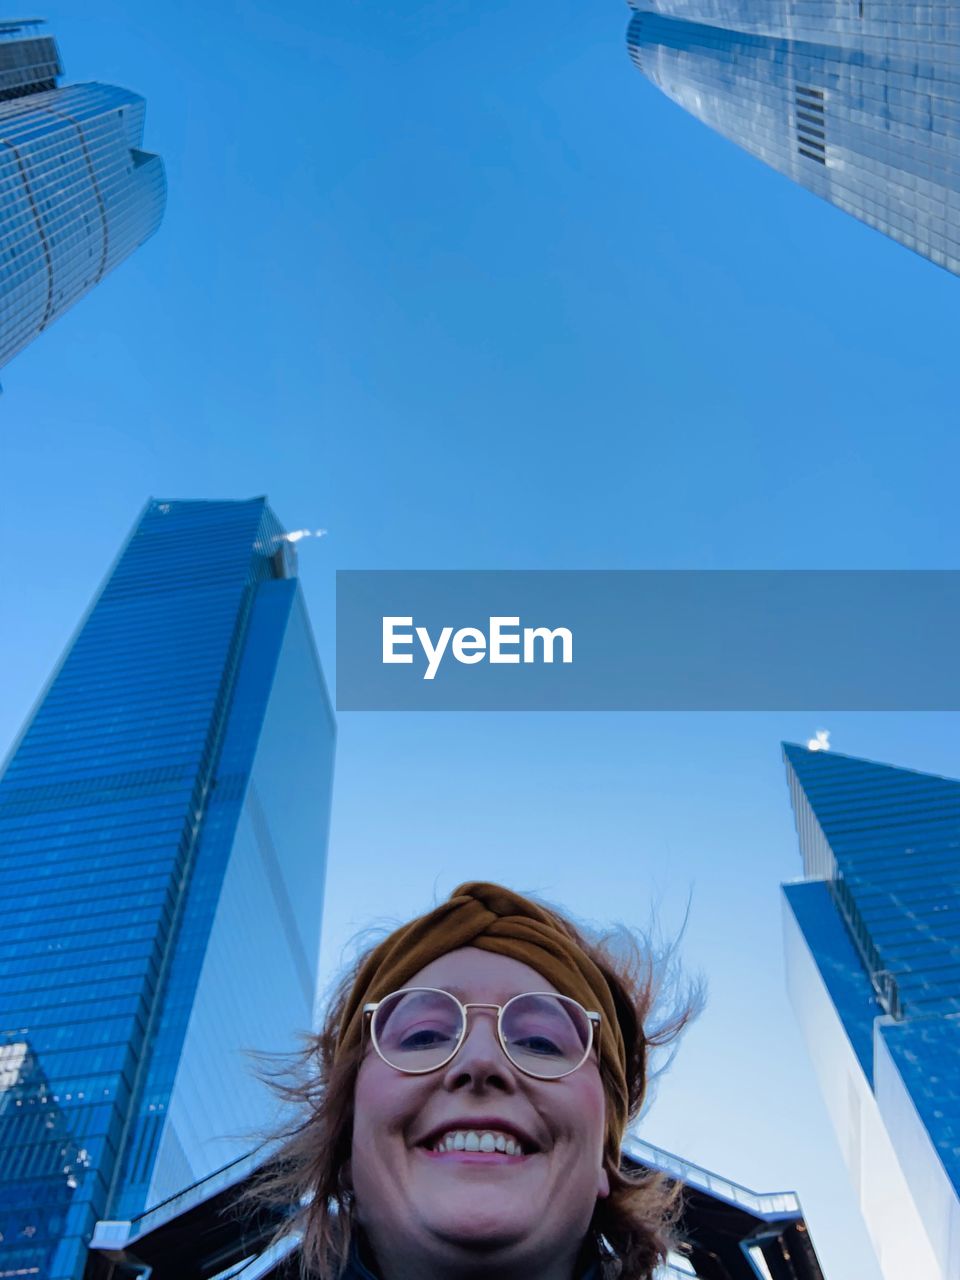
(473, 1157)
(480, 1124)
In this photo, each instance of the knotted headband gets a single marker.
(495, 919)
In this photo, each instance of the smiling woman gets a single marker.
(468, 1097)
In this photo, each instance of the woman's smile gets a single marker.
(484, 1141)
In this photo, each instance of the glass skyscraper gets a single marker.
(873, 964)
(77, 192)
(858, 100)
(163, 826)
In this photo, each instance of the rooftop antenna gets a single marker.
(295, 535)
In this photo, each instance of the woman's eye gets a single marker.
(538, 1044)
(423, 1039)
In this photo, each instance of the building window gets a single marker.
(811, 124)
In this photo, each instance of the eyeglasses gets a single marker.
(421, 1029)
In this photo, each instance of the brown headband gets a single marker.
(495, 919)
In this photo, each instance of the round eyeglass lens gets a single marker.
(546, 1035)
(417, 1030)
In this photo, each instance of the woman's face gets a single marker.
(529, 1211)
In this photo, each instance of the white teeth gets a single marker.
(485, 1140)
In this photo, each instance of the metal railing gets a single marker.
(775, 1204)
(115, 1235)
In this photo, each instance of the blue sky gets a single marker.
(453, 281)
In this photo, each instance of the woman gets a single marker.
(474, 1078)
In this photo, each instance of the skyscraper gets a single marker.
(78, 193)
(857, 101)
(163, 823)
(873, 965)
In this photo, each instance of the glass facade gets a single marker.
(77, 192)
(877, 925)
(163, 821)
(857, 100)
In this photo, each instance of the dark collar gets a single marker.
(359, 1269)
(355, 1268)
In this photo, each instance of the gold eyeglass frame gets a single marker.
(593, 1021)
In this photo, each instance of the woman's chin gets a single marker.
(480, 1218)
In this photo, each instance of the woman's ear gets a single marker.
(603, 1183)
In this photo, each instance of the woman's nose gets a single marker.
(480, 1061)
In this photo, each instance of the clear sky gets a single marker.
(453, 281)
